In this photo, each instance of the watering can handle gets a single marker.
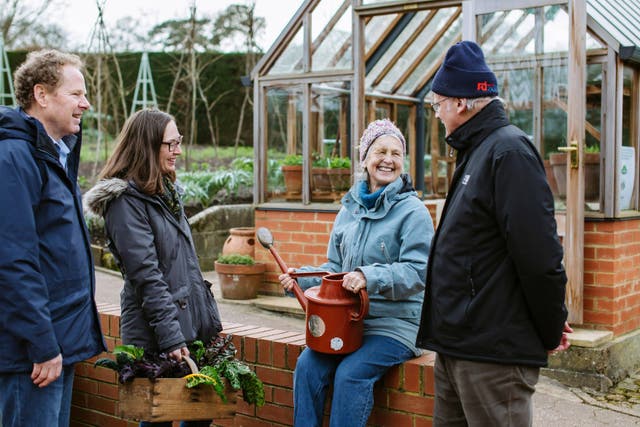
(364, 306)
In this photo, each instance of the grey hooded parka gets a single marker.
(165, 302)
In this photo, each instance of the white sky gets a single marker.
(79, 16)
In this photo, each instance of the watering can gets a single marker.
(334, 316)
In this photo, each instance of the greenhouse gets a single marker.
(568, 71)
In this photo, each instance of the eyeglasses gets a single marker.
(173, 143)
(436, 105)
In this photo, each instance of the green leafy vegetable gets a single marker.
(216, 361)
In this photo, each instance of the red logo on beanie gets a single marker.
(484, 86)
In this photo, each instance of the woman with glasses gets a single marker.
(165, 303)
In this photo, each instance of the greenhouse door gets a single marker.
(541, 68)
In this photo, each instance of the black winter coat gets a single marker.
(495, 281)
(165, 302)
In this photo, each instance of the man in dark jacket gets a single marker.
(48, 316)
(494, 302)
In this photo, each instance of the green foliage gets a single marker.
(340, 163)
(292, 160)
(320, 161)
(235, 259)
(592, 148)
(201, 187)
(130, 351)
(215, 361)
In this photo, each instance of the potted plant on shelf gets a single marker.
(340, 174)
(320, 174)
(239, 275)
(292, 173)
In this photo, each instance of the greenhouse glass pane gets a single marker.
(506, 32)
(329, 144)
(284, 141)
(556, 28)
(516, 88)
(627, 170)
(290, 60)
(331, 37)
(374, 29)
(453, 32)
(399, 43)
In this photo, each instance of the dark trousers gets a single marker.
(482, 394)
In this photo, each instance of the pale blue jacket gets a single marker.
(389, 244)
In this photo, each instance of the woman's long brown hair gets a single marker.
(136, 156)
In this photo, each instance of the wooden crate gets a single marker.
(167, 399)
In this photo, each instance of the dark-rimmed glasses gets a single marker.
(173, 143)
(436, 105)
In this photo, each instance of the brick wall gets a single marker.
(404, 396)
(612, 276)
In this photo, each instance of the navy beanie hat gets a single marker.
(464, 73)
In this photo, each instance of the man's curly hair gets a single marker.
(41, 67)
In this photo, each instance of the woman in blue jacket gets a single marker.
(381, 237)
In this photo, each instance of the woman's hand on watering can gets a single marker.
(354, 281)
(287, 281)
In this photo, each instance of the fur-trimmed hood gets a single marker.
(97, 198)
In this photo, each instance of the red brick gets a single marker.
(390, 418)
(276, 413)
(411, 403)
(283, 396)
(277, 377)
(412, 378)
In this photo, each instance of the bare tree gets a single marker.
(239, 21)
(105, 83)
(22, 26)
(187, 92)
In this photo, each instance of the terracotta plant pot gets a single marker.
(340, 179)
(321, 180)
(292, 178)
(241, 241)
(240, 281)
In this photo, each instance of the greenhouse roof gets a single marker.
(621, 20)
(404, 47)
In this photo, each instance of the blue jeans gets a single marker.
(182, 424)
(23, 403)
(353, 377)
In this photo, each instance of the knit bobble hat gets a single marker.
(374, 131)
(464, 73)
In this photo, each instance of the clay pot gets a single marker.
(340, 179)
(292, 178)
(241, 241)
(321, 180)
(240, 281)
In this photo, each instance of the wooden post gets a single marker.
(574, 237)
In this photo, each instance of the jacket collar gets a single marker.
(475, 130)
(399, 189)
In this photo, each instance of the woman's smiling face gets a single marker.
(167, 157)
(384, 161)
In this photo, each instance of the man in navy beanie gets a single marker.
(494, 303)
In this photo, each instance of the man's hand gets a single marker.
(564, 341)
(47, 372)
